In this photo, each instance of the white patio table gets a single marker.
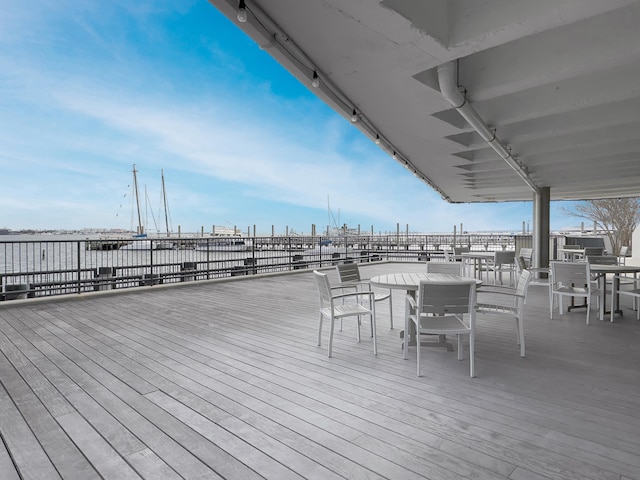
(477, 259)
(410, 282)
(616, 270)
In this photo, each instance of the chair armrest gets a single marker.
(412, 301)
(495, 289)
(512, 294)
(342, 286)
(354, 284)
(353, 294)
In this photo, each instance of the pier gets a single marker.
(31, 269)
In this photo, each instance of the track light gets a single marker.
(394, 156)
(315, 82)
(242, 12)
(377, 139)
(354, 116)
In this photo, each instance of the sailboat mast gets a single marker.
(164, 198)
(135, 187)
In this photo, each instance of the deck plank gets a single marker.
(224, 379)
(7, 468)
(28, 454)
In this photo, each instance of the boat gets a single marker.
(141, 240)
(223, 244)
(329, 249)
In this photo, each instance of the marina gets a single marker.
(32, 267)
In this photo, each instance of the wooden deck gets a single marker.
(224, 380)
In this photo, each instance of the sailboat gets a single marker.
(164, 244)
(141, 241)
(334, 239)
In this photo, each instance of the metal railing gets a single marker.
(35, 268)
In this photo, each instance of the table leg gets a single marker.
(615, 297)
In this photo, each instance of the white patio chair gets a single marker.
(439, 310)
(457, 251)
(527, 256)
(457, 257)
(503, 261)
(626, 279)
(349, 275)
(507, 301)
(622, 255)
(332, 307)
(570, 279)
(634, 293)
(453, 268)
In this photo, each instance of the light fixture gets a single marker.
(377, 139)
(242, 12)
(394, 156)
(315, 82)
(354, 116)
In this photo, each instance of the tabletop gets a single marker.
(603, 268)
(411, 281)
(489, 255)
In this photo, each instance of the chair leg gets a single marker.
(588, 309)
(375, 336)
(331, 336)
(418, 353)
(391, 309)
(520, 328)
(472, 353)
(460, 348)
(405, 339)
(320, 331)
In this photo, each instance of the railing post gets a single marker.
(79, 271)
(151, 261)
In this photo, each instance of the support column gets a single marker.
(541, 227)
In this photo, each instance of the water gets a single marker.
(56, 264)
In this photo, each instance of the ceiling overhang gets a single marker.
(557, 83)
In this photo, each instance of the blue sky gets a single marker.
(87, 89)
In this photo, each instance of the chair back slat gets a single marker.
(445, 298)
(589, 251)
(570, 273)
(453, 268)
(523, 283)
(458, 250)
(348, 272)
(526, 254)
(324, 287)
(504, 257)
(602, 259)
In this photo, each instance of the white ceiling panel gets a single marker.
(557, 80)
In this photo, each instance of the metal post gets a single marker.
(541, 216)
(79, 268)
